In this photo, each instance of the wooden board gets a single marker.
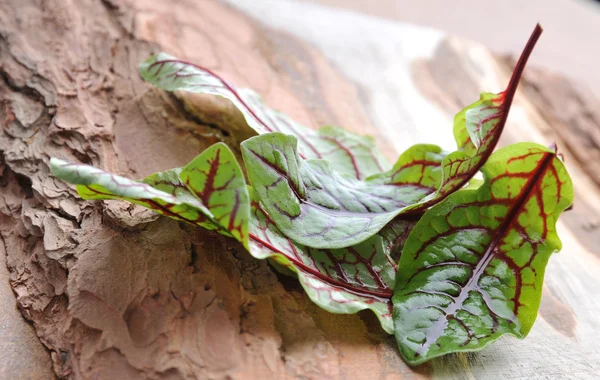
(114, 292)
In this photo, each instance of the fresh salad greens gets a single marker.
(326, 205)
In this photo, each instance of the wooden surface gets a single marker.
(569, 45)
(114, 292)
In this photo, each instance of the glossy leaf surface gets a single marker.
(477, 129)
(344, 280)
(210, 191)
(472, 268)
(348, 152)
(317, 207)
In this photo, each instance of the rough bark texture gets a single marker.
(115, 292)
(110, 294)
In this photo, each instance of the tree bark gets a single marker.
(112, 290)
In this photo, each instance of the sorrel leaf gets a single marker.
(342, 281)
(324, 207)
(317, 207)
(349, 153)
(209, 192)
(477, 129)
(419, 166)
(472, 268)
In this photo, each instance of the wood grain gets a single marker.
(114, 292)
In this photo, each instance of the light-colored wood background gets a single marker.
(114, 293)
(569, 45)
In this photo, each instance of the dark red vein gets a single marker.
(319, 275)
(348, 152)
(217, 77)
(280, 172)
(209, 187)
(234, 92)
(507, 97)
(436, 331)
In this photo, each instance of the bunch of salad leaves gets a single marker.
(326, 205)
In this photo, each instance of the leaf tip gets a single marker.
(56, 166)
(54, 162)
(538, 27)
(520, 66)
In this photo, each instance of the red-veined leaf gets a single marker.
(320, 208)
(348, 152)
(477, 129)
(210, 191)
(316, 207)
(472, 268)
(344, 280)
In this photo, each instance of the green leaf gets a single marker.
(216, 179)
(472, 268)
(477, 129)
(394, 236)
(342, 281)
(349, 153)
(419, 166)
(209, 192)
(317, 207)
